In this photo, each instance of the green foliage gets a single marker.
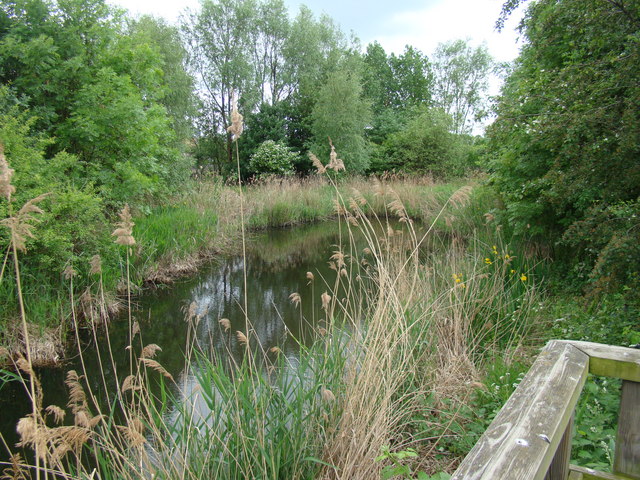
(99, 91)
(272, 158)
(271, 425)
(462, 82)
(268, 123)
(341, 114)
(253, 50)
(400, 468)
(175, 231)
(609, 239)
(174, 87)
(425, 145)
(397, 468)
(126, 146)
(596, 420)
(282, 123)
(396, 82)
(564, 146)
(93, 111)
(611, 320)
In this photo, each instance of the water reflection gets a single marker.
(277, 263)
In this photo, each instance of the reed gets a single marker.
(410, 321)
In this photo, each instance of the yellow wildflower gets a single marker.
(488, 261)
(523, 277)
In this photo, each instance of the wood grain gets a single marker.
(590, 474)
(627, 456)
(611, 361)
(524, 437)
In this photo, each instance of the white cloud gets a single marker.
(168, 9)
(450, 20)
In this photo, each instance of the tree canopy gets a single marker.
(103, 88)
(566, 156)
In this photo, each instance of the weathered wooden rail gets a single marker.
(530, 438)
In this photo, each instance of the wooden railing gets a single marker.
(530, 438)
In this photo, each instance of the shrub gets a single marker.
(272, 158)
(608, 239)
(426, 145)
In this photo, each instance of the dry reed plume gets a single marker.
(124, 232)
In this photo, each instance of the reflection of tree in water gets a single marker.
(286, 248)
(277, 265)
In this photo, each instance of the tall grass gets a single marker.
(409, 323)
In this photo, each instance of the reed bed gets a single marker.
(410, 322)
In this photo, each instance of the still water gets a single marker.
(277, 265)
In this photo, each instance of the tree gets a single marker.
(175, 88)
(397, 82)
(377, 78)
(97, 89)
(411, 79)
(341, 114)
(313, 49)
(219, 41)
(426, 145)
(268, 40)
(565, 141)
(461, 82)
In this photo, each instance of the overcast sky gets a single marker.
(420, 23)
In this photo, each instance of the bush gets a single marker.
(426, 146)
(608, 239)
(272, 158)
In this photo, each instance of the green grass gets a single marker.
(176, 231)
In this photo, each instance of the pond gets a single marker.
(278, 262)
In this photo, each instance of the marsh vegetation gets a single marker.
(444, 261)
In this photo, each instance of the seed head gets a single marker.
(150, 351)
(21, 224)
(295, 298)
(6, 189)
(69, 272)
(242, 338)
(460, 197)
(317, 163)
(226, 324)
(149, 363)
(236, 126)
(96, 265)
(334, 162)
(327, 395)
(326, 298)
(124, 231)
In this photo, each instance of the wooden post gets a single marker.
(627, 456)
(559, 468)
